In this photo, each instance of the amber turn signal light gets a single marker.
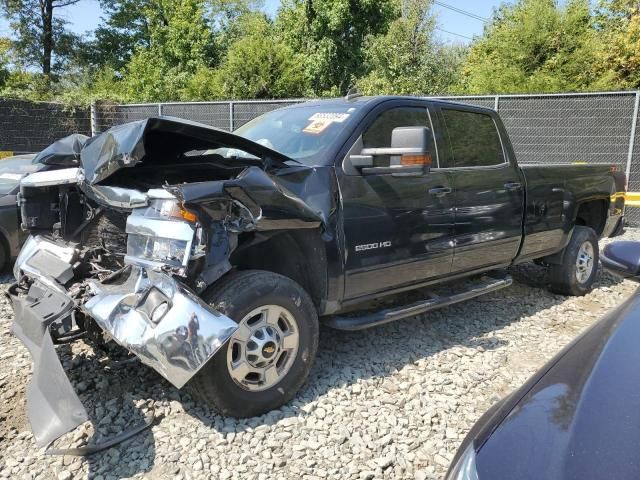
(187, 215)
(415, 160)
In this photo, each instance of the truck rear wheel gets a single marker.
(576, 274)
(269, 357)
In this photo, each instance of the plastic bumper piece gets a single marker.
(53, 407)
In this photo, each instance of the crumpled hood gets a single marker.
(582, 418)
(128, 144)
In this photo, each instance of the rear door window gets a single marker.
(473, 138)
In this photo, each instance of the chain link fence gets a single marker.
(595, 128)
(224, 115)
(27, 127)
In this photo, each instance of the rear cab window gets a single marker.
(474, 140)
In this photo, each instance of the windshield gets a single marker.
(301, 132)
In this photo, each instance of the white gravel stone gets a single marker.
(390, 402)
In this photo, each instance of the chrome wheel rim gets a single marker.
(584, 262)
(263, 349)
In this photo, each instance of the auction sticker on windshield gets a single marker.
(321, 121)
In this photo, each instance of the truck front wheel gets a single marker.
(269, 357)
(577, 272)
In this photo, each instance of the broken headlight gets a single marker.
(155, 249)
(160, 234)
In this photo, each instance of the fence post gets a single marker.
(496, 103)
(632, 139)
(231, 122)
(94, 118)
(159, 109)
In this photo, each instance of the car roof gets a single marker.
(372, 101)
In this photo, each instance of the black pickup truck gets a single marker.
(213, 256)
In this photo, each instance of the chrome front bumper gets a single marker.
(176, 345)
(176, 340)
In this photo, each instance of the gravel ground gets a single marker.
(391, 402)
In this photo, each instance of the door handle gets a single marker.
(439, 191)
(513, 186)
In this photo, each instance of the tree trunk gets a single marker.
(46, 9)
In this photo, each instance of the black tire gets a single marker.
(563, 277)
(236, 296)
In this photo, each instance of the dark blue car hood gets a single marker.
(582, 418)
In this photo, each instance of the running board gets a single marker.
(361, 322)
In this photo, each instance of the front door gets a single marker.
(397, 229)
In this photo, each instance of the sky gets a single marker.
(454, 27)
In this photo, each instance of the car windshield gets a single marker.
(301, 132)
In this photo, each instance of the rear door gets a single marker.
(397, 229)
(489, 190)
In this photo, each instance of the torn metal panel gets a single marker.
(163, 138)
(124, 198)
(64, 253)
(161, 321)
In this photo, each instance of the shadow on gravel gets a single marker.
(119, 398)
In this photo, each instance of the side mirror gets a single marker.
(622, 259)
(408, 154)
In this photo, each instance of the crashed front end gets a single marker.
(126, 263)
(143, 307)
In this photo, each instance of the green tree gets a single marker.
(229, 20)
(260, 65)
(124, 28)
(407, 60)
(534, 46)
(5, 60)
(180, 42)
(257, 65)
(331, 35)
(618, 60)
(42, 39)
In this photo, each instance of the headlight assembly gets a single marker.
(169, 251)
(163, 208)
(161, 234)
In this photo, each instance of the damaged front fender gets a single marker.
(296, 198)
